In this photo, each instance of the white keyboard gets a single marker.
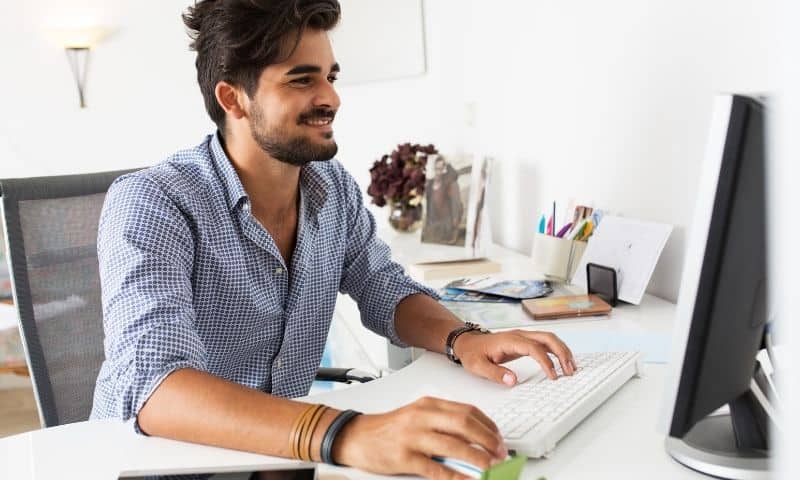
(540, 411)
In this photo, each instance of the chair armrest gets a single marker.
(343, 375)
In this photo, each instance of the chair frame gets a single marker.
(13, 191)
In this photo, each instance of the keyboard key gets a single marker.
(542, 400)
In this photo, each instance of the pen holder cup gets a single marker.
(556, 257)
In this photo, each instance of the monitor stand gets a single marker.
(710, 447)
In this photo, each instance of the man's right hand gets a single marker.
(404, 440)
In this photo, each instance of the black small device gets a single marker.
(602, 281)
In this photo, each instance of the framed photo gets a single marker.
(455, 202)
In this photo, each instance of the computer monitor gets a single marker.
(722, 310)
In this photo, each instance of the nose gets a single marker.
(327, 96)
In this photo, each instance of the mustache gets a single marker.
(316, 113)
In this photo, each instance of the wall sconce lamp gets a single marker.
(77, 43)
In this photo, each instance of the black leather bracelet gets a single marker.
(326, 450)
(451, 339)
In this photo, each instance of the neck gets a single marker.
(271, 185)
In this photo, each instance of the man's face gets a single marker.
(292, 111)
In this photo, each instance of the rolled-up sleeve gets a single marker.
(145, 253)
(375, 282)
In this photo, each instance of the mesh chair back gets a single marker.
(51, 232)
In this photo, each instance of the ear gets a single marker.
(231, 99)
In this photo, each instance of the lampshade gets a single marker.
(78, 37)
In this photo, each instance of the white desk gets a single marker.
(376, 354)
(619, 440)
(372, 352)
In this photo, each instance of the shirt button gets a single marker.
(278, 363)
(279, 270)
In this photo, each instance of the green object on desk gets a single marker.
(508, 470)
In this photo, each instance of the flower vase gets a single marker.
(404, 217)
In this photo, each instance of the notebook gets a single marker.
(454, 269)
(566, 307)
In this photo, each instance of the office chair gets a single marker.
(51, 232)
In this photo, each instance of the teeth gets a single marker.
(319, 121)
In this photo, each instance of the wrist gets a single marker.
(345, 449)
(319, 434)
(458, 344)
(456, 334)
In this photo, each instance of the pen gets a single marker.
(460, 466)
(553, 227)
(542, 222)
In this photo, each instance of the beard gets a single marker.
(298, 150)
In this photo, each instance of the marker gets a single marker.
(576, 232)
(597, 215)
(542, 224)
(564, 230)
(587, 230)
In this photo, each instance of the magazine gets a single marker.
(457, 295)
(514, 289)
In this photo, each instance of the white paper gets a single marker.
(8, 316)
(629, 246)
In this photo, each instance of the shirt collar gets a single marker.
(230, 179)
(313, 184)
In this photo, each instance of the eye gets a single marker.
(301, 81)
(332, 78)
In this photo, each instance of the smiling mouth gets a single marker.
(318, 122)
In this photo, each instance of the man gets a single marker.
(220, 269)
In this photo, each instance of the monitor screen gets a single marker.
(722, 305)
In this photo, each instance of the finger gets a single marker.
(522, 345)
(515, 345)
(443, 445)
(466, 426)
(487, 369)
(557, 347)
(424, 466)
(465, 408)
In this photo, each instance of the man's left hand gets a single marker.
(482, 354)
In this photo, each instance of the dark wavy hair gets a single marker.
(236, 39)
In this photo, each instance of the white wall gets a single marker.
(607, 102)
(143, 100)
(784, 195)
(603, 102)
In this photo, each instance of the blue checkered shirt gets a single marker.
(191, 279)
